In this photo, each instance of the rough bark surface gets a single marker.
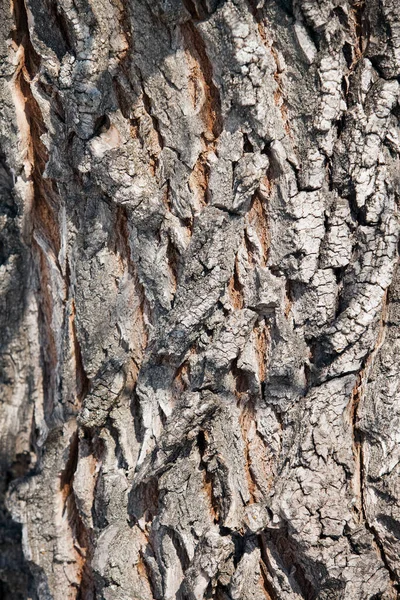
(199, 299)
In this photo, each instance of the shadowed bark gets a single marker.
(199, 300)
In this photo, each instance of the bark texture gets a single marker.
(200, 301)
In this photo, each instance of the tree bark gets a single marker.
(200, 353)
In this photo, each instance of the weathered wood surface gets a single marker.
(200, 341)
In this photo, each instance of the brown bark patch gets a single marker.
(262, 341)
(235, 290)
(257, 217)
(246, 419)
(199, 177)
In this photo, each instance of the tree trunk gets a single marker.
(200, 353)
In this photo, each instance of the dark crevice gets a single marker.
(123, 99)
(247, 145)
(208, 479)
(119, 455)
(21, 37)
(149, 109)
(101, 125)
(173, 263)
(136, 412)
(191, 8)
(348, 54)
(199, 10)
(342, 16)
